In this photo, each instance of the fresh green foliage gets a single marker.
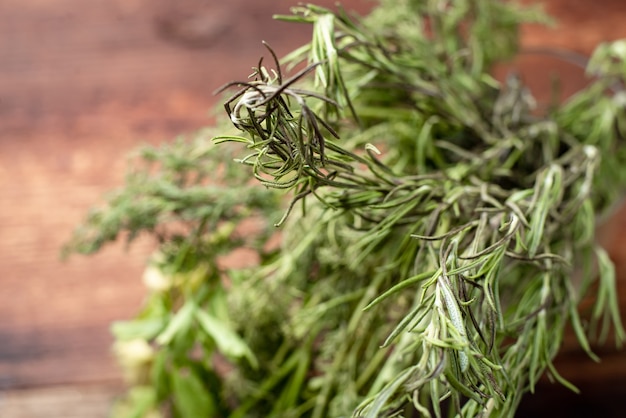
(438, 239)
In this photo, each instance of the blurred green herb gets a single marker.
(438, 236)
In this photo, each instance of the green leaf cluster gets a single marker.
(437, 228)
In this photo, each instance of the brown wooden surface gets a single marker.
(83, 83)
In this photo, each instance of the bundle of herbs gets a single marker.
(436, 229)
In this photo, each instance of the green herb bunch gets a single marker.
(437, 241)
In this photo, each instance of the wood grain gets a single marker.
(76, 401)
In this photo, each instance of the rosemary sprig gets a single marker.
(490, 212)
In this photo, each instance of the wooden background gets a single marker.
(82, 84)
